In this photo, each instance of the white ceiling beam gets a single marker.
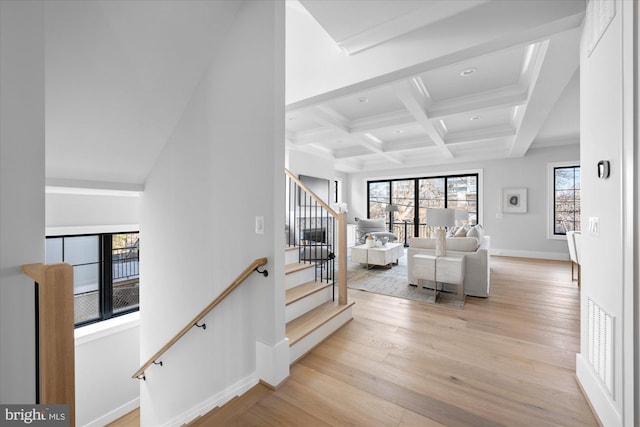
(431, 13)
(414, 103)
(477, 103)
(478, 135)
(554, 67)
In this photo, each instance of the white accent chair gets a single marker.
(573, 240)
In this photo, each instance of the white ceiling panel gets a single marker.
(491, 72)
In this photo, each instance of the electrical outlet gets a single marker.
(259, 225)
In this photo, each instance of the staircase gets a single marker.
(311, 313)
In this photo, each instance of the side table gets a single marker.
(440, 269)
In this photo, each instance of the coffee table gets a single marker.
(384, 256)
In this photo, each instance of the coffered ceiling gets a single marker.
(496, 97)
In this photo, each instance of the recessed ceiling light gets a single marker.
(363, 100)
(468, 71)
(474, 118)
(398, 131)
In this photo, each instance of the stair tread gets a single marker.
(303, 290)
(225, 414)
(296, 266)
(290, 248)
(312, 320)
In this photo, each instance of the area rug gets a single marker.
(392, 281)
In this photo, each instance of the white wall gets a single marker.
(86, 210)
(514, 234)
(300, 163)
(215, 175)
(607, 257)
(22, 153)
(107, 354)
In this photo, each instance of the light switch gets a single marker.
(259, 225)
(594, 225)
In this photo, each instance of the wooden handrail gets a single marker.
(241, 278)
(313, 195)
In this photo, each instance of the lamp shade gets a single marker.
(441, 217)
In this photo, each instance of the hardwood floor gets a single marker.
(508, 360)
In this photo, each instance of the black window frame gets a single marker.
(416, 195)
(105, 279)
(555, 201)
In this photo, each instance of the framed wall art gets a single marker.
(514, 200)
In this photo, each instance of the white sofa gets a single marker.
(477, 260)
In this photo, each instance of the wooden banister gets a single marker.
(241, 278)
(55, 334)
(341, 226)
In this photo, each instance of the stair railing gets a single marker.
(55, 343)
(319, 233)
(154, 360)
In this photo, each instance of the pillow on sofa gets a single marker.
(476, 231)
(462, 231)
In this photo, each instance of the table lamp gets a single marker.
(441, 218)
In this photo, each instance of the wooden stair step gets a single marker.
(297, 266)
(312, 320)
(304, 290)
(224, 415)
(290, 248)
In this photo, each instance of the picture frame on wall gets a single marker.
(514, 200)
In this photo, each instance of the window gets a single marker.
(105, 273)
(566, 199)
(413, 196)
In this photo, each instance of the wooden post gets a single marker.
(56, 343)
(342, 258)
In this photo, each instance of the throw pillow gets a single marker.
(462, 231)
(477, 232)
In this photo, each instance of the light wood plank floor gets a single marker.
(508, 360)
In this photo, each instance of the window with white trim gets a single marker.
(105, 272)
(564, 189)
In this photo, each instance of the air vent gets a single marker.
(600, 336)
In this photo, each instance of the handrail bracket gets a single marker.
(264, 272)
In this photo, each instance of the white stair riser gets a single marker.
(303, 346)
(291, 257)
(308, 303)
(294, 279)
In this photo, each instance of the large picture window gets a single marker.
(566, 199)
(403, 202)
(105, 273)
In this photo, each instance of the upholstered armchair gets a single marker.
(373, 227)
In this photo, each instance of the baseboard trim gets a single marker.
(115, 414)
(594, 391)
(555, 256)
(584, 393)
(218, 399)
